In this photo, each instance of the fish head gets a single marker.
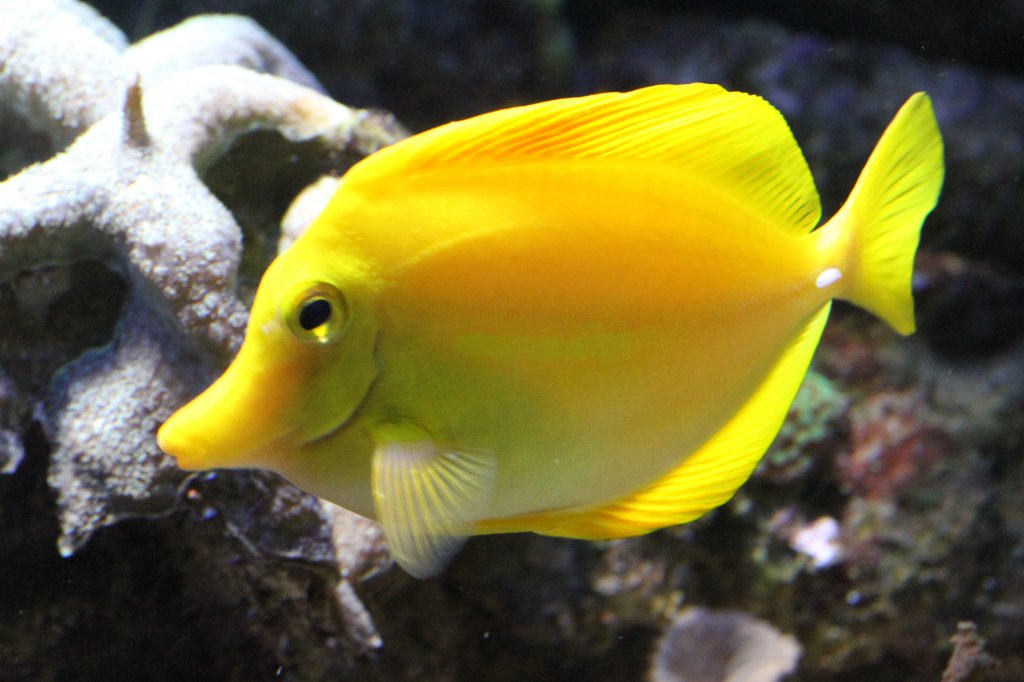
(306, 364)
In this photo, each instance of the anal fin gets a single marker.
(706, 478)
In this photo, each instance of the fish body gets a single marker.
(584, 317)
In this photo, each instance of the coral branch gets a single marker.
(58, 64)
(122, 263)
(216, 39)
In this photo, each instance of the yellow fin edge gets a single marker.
(736, 142)
(704, 480)
(876, 232)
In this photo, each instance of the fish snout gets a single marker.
(190, 454)
(229, 426)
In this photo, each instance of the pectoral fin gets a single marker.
(429, 497)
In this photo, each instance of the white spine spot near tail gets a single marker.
(828, 277)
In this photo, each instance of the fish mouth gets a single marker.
(228, 426)
(238, 422)
(192, 452)
(188, 454)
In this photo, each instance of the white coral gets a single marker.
(139, 126)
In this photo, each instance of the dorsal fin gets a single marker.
(736, 142)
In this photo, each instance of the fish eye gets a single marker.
(317, 313)
(314, 312)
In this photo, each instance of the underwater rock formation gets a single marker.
(119, 262)
(722, 646)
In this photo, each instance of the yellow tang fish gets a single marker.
(585, 317)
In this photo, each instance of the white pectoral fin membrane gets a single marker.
(429, 497)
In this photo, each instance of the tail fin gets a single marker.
(875, 233)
